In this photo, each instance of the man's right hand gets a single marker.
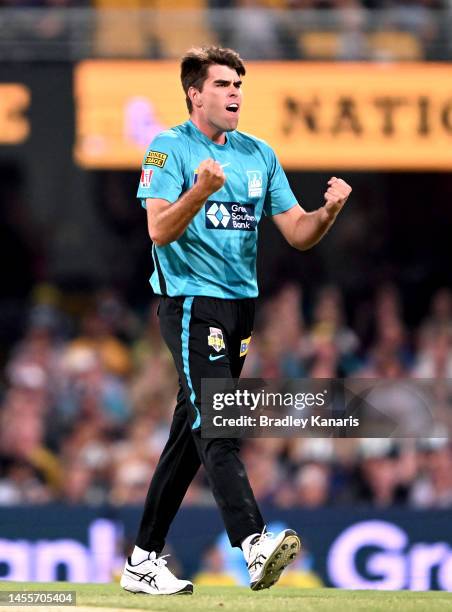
(211, 177)
(168, 221)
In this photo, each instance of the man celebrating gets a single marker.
(205, 186)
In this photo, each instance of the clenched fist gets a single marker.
(211, 177)
(336, 195)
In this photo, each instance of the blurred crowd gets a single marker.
(334, 29)
(373, 30)
(237, 4)
(87, 396)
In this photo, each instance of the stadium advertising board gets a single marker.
(316, 115)
(14, 102)
(399, 549)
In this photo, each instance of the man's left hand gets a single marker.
(336, 195)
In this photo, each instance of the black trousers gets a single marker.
(208, 339)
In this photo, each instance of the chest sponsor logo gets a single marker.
(230, 215)
(145, 180)
(155, 158)
(254, 183)
(215, 339)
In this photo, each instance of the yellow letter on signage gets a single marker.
(14, 101)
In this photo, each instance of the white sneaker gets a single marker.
(151, 576)
(268, 555)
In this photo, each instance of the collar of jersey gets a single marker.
(207, 140)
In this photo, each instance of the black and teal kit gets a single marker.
(207, 280)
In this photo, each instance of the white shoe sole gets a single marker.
(283, 555)
(134, 586)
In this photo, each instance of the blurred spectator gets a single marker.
(439, 319)
(22, 484)
(379, 481)
(98, 333)
(130, 481)
(133, 461)
(353, 42)
(276, 351)
(433, 486)
(261, 459)
(391, 355)
(90, 392)
(258, 34)
(155, 379)
(78, 485)
(434, 359)
(331, 346)
(312, 486)
(434, 355)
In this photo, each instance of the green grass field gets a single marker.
(235, 599)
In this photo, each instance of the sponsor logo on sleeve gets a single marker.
(254, 183)
(155, 158)
(146, 176)
(244, 346)
(215, 339)
(230, 216)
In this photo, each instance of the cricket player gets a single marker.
(205, 187)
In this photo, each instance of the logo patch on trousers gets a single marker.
(215, 339)
(244, 346)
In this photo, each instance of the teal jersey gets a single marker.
(216, 255)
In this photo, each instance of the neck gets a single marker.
(211, 131)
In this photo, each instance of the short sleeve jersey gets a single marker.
(216, 255)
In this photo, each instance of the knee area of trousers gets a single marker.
(217, 450)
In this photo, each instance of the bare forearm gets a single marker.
(169, 223)
(311, 227)
(304, 229)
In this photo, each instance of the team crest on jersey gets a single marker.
(244, 346)
(254, 183)
(155, 158)
(215, 339)
(146, 176)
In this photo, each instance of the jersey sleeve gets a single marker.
(161, 172)
(280, 196)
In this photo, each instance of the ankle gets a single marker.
(246, 544)
(139, 555)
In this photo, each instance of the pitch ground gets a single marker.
(238, 599)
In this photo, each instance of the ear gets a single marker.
(195, 97)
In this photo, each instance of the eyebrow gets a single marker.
(224, 82)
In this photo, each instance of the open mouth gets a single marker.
(232, 108)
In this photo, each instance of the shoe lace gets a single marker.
(263, 536)
(260, 558)
(160, 561)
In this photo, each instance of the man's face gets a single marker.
(220, 100)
